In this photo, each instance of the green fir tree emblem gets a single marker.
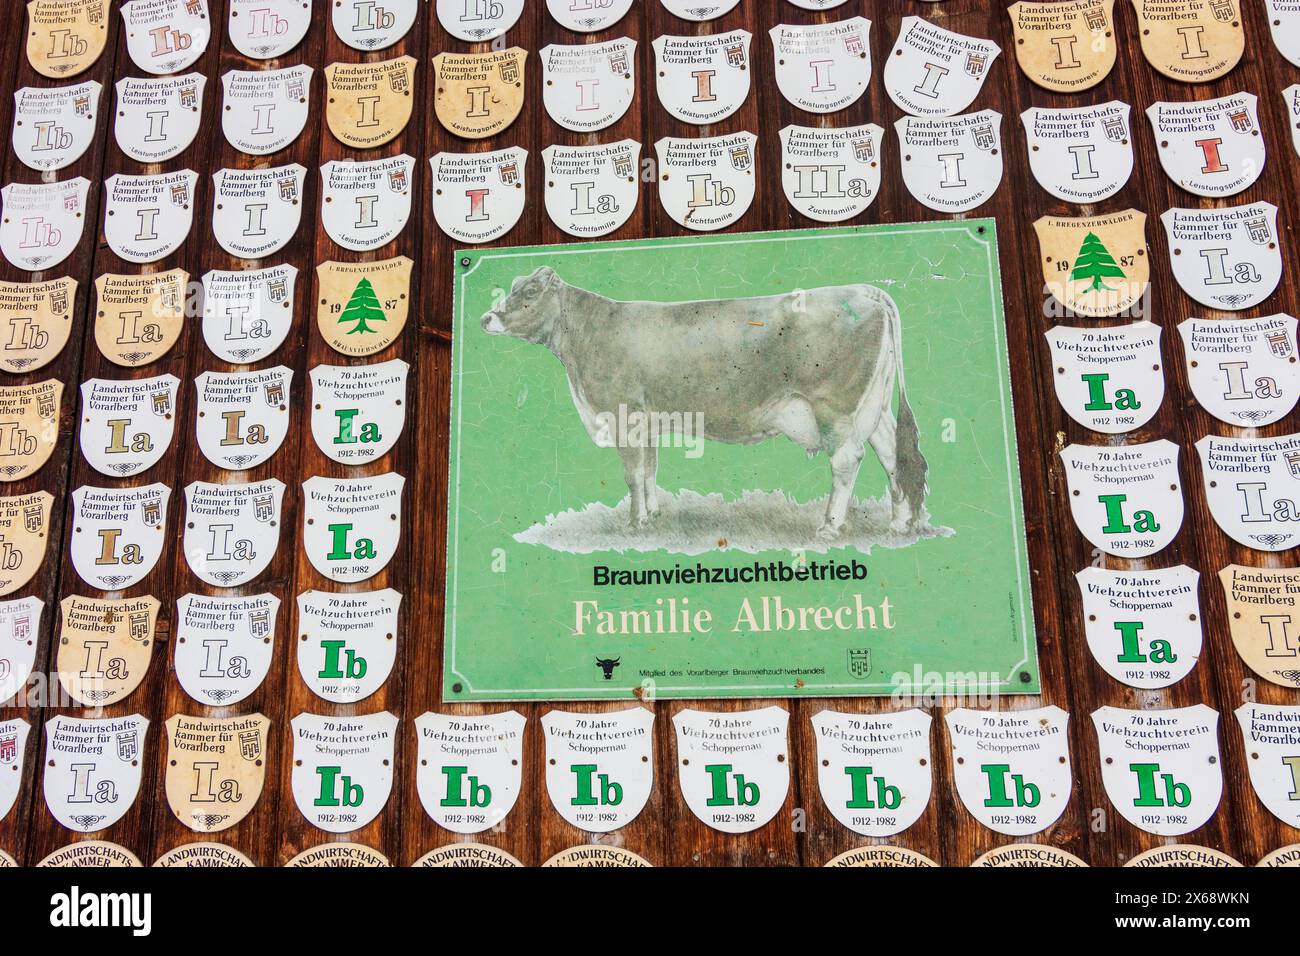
(362, 308)
(1094, 262)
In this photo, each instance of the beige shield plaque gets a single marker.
(24, 522)
(1096, 266)
(105, 646)
(1191, 40)
(1264, 620)
(362, 306)
(1065, 47)
(478, 94)
(215, 769)
(65, 37)
(139, 318)
(29, 427)
(35, 319)
(368, 104)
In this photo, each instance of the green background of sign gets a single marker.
(520, 453)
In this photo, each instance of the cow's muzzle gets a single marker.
(492, 324)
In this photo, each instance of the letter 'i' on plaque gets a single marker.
(599, 767)
(138, 318)
(1227, 258)
(347, 643)
(157, 118)
(29, 427)
(478, 197)
(53, 126)
(127, 425)
(369, 104)
(1108, 379)
(475, 21)
(935, 72)
(477, 95)
(1191, 40)
(42, 222)
(166, 36)
(255, 212)
(874, 770)
(215, 769)
(242, 417)
(1126, 500)
(357, 411)
(1143, 627)
(592, 190)
(232, 531)
(831, 175)
(365, 205)
(351, 526)
(1210, 147)
(1262, 620)
(342, 768)
(146, 218)
(469, 768)
(588, 86)
(824, 67)
(35, 322)
(1269, 734)
(65, 37)
(1250, 487)
(1065, 47)
(1080, 154)
(247, 312)
(24, 540)
(105, 647)
(1095, 266)
(378, 24)
(268, 29)
(732, 767)
(1243, 371)
(951, 164)
(702, 79)
(92, 769)
(224, 645)
(118, 533)
(707, 183)
(264, 111)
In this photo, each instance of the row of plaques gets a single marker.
(1161, 769)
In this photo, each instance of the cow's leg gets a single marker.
(883, 443)
(634, 475)
(649, 471)
(845, 462)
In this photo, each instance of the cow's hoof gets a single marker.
(829, 532)
(640, 522)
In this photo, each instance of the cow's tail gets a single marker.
(910, 468)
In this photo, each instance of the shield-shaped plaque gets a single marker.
(35, 321)
(1065, 47)
(369, 104)
(698, 10)
(105, 647)
(732, 767)
(366, 205)
(1108, 379)
(127, 425)
(166, 36)
(1252, 486)
(478, 197)
(469, 768)
(1081, 154)
(831, 174)
(20, 625)
(1292, 97)
(935, 72)
(146, 218)
(1210, 147)
(591, 190)
(1227, 258)
(823, 67)
(139, 317)
(347, 642)
(352, 525)
(13, 749)
(479, 94)
(158, 118)
(1126, 500)
(702, 79)
(1143, 626)
(247, 313)
(118, 533)
(224, 645)
(362, 305)
(54, 125)
(1269, 734)
(1096, 266)
(587, 16)
(873, 770)
(342, 768)
(92, 769)
(477, 20)
(1244, 371)
(1284, 22)
(706, 184)
(231, 531)
(242, 417)
(263, 111)
(1263, 620)
(215, 769)
(951, 164)
(64, 37)
(599, 767)
(42, 222)
(1161, 768)
(367, 25)
(24, 538)
(588, 86)
(29, 427)
(268, 29)
(1012, 767)
(357, 411)
(1191, 40)
(255, 212)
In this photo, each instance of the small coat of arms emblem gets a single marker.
(859, 662)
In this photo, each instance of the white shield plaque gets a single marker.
(1108, 379)
(478, 197)
(247, 313)
(158, 118)
(1210, 147)
(1081, 154)
(263, 111)
(732, 767)
(347, 642)
(469, 768)
(357, 411)
(366, 205)
(267, 29)
(20, 625)
(822, 67)
(1226, 258)
(1161, 768)
(1292, 97)
(1143, 626)
(1271, 737)
(1252, 486)
(342, 768)
(146, 218)
(599, 767)
(378, 24)
(830, 174)
(588, 86)
(706, 184)
(231, 531)
(1125, 499)
(42, 222)
(255, 212)
(13, 748)
(92, 769)
(166, 36)
(224, 645)
(591, 190)
(873, 770)
(242, 417)
(127, 425)
(935, 72)
(352, 525)
(951, 164)
(702, 79)
(1243, 371)
(476, 21)
(1284, 22)
(118, 533)
(54, 125)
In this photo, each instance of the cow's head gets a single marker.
(607, 665)
(529, 311)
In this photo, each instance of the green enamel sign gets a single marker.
(755, 465)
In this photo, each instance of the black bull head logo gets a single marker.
(607, 666)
